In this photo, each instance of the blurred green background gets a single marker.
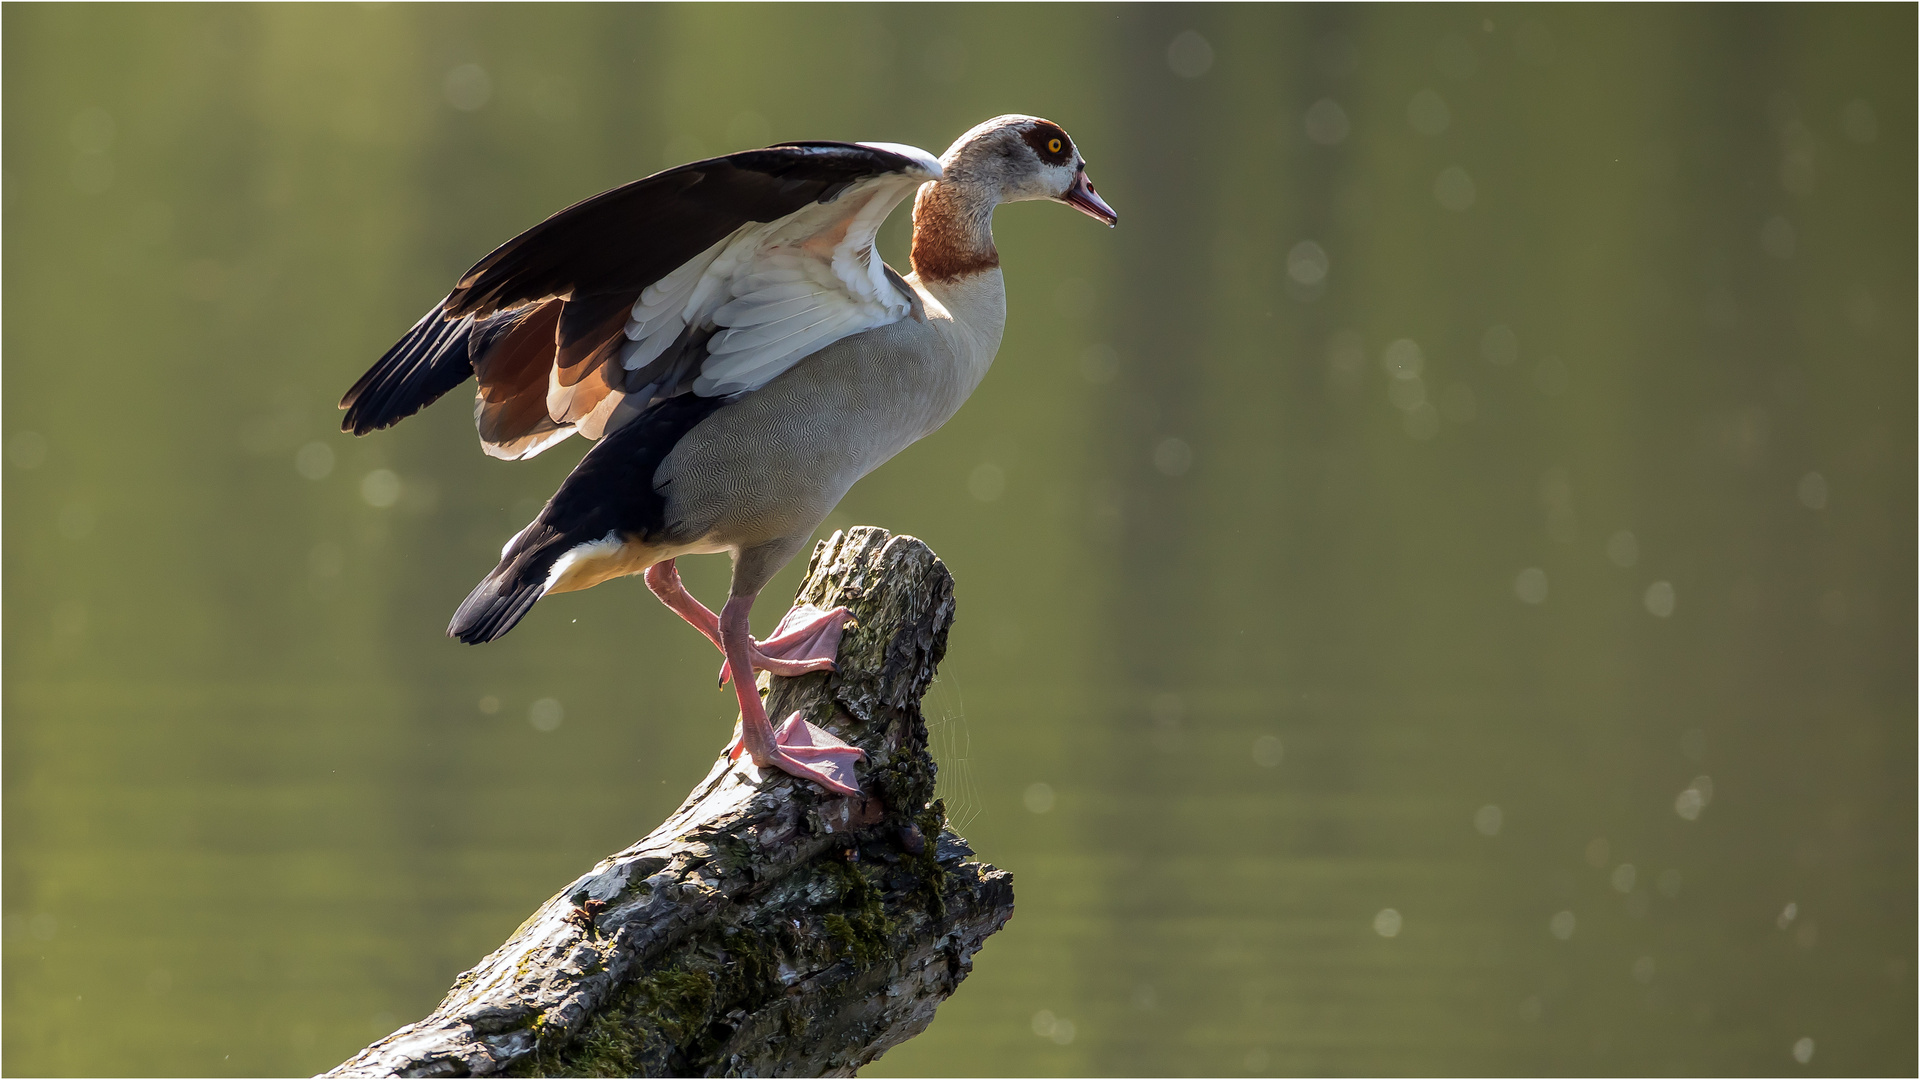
(1436, 585)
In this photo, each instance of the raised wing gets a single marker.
(709, 279)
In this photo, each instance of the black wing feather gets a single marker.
(433, 358)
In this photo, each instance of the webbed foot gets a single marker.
(810, 753)
(806, 640)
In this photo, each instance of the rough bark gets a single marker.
(766, 927)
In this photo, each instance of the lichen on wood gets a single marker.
(767, 927)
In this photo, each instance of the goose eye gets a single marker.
(1053, 146)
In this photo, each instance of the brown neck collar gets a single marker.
(952, 231)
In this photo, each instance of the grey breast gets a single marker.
(775, 463)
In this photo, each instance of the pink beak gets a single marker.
(1083, 198)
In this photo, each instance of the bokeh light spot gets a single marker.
(1499, 345)
(1623, 877)
(380, 488)
(1487, 820)
(1307, 263)
(1454, 190)
(1189, 54)
(1812, 491)
(1623, 549)
(1694, 798)
(1402, 357)
(987, 482)
(1561, 925)
(1406, 392)
(1326, 122)
(314, 461)
(468, 87)
(1267, 751)
(1172, 457)
(545, 714)
(1659, 599)
(1038, 798)
(1048, 1026)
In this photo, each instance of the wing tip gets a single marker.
(430, 359)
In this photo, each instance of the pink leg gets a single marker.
(664, 579)
(798, 747)
(806, 639)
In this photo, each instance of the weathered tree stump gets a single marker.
(767, 927)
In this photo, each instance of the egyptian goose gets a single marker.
(727, 334)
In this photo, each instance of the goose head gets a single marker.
(1023, 159)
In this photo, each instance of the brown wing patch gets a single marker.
(589, 328)
(512, 400)
(590, 332)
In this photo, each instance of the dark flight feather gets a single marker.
(428, 361)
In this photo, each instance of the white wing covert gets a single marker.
(766, 296)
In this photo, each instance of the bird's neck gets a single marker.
(953, 230)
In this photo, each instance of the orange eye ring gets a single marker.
(1053, 146)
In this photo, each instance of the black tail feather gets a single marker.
(505, 596)
(495, 606)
